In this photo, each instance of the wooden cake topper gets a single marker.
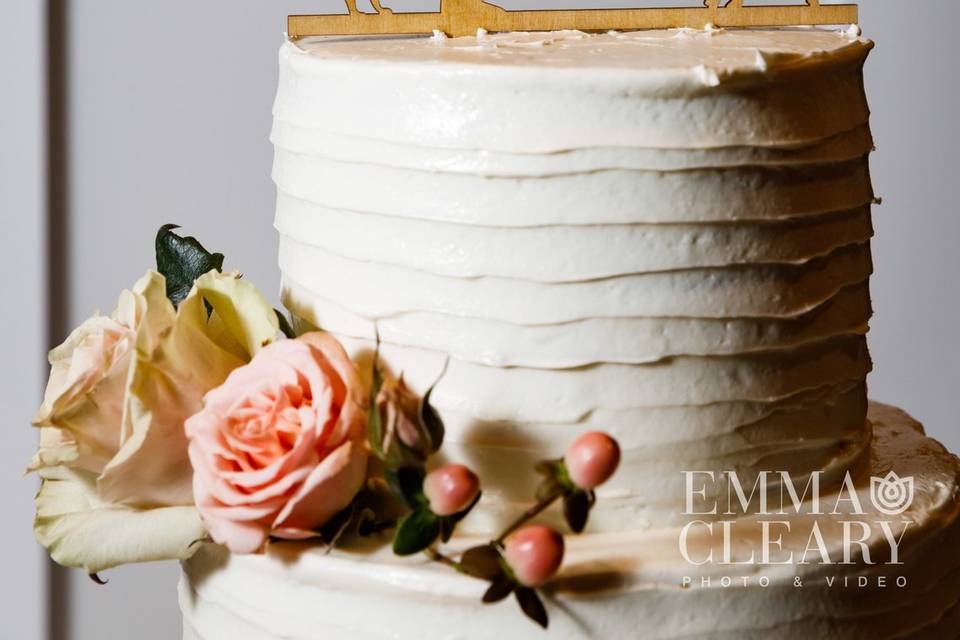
(465, 17)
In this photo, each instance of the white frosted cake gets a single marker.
(662, 234)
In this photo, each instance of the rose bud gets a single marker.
(591, 459)
(451, 489)
(398, 407)
(534, 553)
(402, 416)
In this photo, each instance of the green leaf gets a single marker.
(547, 467)
(576, 509)
(407, 484)
(500, 589)
(482, 562)
(556, 480)
(449, 523)
(181, 261)
(562, 474)
(334, 529)
(416, 532)
(446, 529)
(370, 524)
(430, 422)
(285, 325)
(532, 606)
(548, 489)
(460, 515)
(399, 455)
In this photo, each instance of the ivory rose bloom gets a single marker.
(116, 479)
(279, 448)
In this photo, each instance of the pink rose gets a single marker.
(278, 448)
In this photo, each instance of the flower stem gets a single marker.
(527, 515)
(436, 556)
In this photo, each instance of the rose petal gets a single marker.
(303, 447)
(270, 448)
(240, 537)
(330, 488)
(289, 533)
(80, 530)
(228, 494)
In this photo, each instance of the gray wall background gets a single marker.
(22, 323)
(166, 119)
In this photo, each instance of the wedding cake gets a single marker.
(663, 234)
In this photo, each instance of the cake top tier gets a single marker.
(536, 92)
(726, 51)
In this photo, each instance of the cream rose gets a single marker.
(116, 479)
(85, 391)
(279, 448)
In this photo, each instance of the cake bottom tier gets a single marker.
(856, 565)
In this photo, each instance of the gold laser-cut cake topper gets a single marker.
(465, 17)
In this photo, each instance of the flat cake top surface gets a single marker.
(659, 50)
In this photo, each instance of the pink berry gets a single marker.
(591, 459)
(534, 553)
(450, 489)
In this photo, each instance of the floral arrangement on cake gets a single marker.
(194, 412)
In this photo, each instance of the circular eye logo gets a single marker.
(891, 495)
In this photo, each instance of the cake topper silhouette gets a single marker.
(465, 17)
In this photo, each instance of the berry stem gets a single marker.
(436, 556)
(526, 516)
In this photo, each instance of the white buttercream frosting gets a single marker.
(664, 234)
(566, 90)
(625, 585)
(661, 234)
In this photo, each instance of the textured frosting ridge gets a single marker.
(621, 585)
(662, 234)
